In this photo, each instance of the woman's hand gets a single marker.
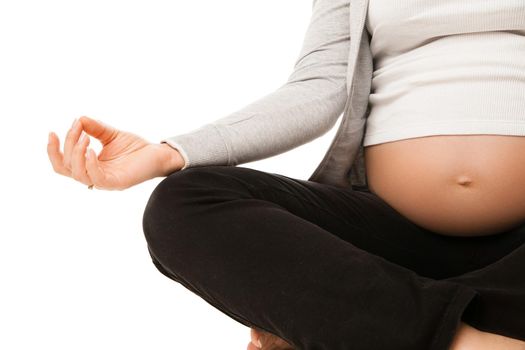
(125, 160)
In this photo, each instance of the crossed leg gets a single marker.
(301, 248)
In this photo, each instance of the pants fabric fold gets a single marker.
(328, 268)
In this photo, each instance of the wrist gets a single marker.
(171, 159)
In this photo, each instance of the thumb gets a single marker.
(102, 131)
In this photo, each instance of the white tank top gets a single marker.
(446, 67)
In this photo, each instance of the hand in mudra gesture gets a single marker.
(125, 159)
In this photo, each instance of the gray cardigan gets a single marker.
(332, 76)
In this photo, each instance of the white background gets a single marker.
(75, 271)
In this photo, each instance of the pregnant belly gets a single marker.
(460, 185)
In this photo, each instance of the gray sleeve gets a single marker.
(304, 108)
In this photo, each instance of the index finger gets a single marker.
(98, 129)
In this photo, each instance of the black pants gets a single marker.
(329, 268)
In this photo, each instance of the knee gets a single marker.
(172, 190)
(170, 205)
(165, 195)
(167, 200)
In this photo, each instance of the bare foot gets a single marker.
(467, 338)
(470, 338)
(267, 340)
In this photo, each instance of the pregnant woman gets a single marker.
(409, 234)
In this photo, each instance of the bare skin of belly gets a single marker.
(456, 185)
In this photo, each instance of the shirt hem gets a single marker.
(468, 127)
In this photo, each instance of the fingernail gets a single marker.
(258, 343)
(82, 137)
(74, 123)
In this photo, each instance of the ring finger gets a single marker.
(78, 160)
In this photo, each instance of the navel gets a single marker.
(464, 180)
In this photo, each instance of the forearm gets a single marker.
(285, 119)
